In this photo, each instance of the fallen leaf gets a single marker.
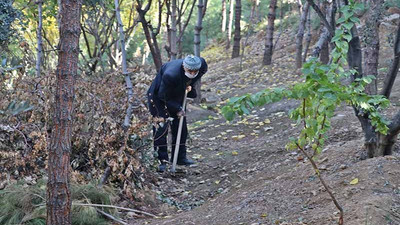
(354, 181)
(238, 137)
(235, 153)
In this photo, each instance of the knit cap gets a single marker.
(192, 62)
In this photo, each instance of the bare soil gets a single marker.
(245, 175)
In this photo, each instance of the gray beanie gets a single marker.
(192, 62)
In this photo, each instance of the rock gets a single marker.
(343, 166)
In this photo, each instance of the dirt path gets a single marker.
(244, 174)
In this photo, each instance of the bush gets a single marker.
(26, 204)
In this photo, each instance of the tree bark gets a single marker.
(371, 40)
(223, 12)
(327, 32)
(236, 40)
(324, 53)
(308, 37)
(229, 33)
(173, 30)
(58, 193)
(39, 39)
(151, 38)
(197, 42)
(182, 29)
(270, 33)
(392, 73)
(300, 35)
(129, 86)
(249, 30)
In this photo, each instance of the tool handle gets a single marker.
(178, 138)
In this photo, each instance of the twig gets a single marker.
(117, 207)
(318, 173)
(111, 217)
(322, 17)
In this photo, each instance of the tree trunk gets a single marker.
(58, 193)
(182, 29)
(371, 55)
(327, 32)
(39, 39)
(375, 144)
(150, 37)
(308, 37)
(236, 41)
(386, 142)
(249, 30)
(129, 86)
(300, 35)
(229, 33)
(392, 74)
(173, 30)
(223, 27)
(270, 33)
(371, 40)
(197, 42)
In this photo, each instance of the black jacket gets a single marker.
(170, 84)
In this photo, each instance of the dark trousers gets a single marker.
(160, 132)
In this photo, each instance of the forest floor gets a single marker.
(245, 175)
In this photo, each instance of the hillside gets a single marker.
(244, 173)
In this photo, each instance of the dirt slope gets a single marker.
(245, 175)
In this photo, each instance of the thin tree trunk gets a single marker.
(270, 33)
(198, 28)
(229, 33)
(236, 41)
(327, 32)
(150, 37)
(300, 35)
(257, 12)
(371, 40)
(197, 41)
(324, 53)
(392, 74)
(308, 37)
(129, 86)
(182, 31)
(249, 30)
(58, 193)
(223, 27)
(173, 30)
(281, 15)
(39, 39)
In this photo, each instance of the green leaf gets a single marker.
(341, 20)
(228, 113)
(348, 26)
(348, 37)
(244, 109)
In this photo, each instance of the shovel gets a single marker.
(178, 138)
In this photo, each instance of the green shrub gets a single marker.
(26, 205)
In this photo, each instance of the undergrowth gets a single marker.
(26, 204)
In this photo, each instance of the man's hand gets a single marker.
(181, 113)
(188, 88)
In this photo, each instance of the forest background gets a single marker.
(106, 147)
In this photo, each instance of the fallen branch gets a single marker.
(116, 207)
(111, 217)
